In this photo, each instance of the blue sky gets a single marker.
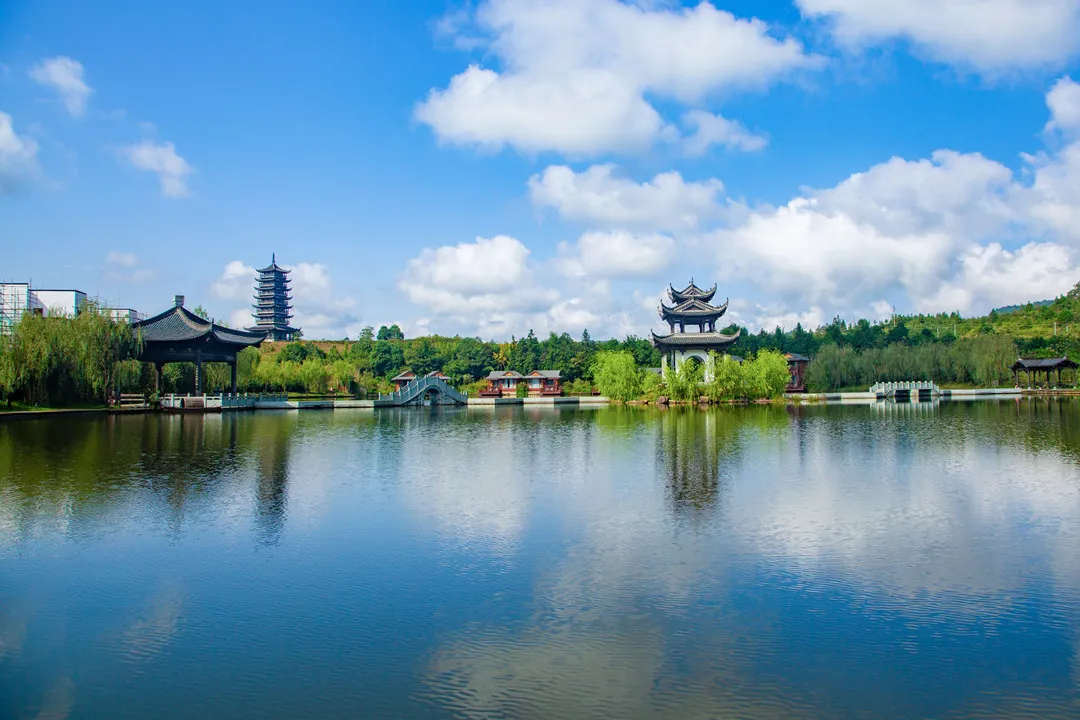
(501, 165)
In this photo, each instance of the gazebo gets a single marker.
(1034, 366)
(179, 335)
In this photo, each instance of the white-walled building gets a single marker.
(68, 303)
(125, 315)
(19, 298)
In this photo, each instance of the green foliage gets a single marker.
(58, 360)
(617, 375)
(685, 382)
(521, 390)
(390, 333)
(578, 387)
(982, 360)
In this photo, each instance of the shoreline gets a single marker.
(845, 398)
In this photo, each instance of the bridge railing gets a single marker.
(889, 389)
(416, 389)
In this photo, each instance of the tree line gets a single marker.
(68, 361)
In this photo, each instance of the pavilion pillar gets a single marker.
(232, 367)
(198, 373)
(157, 378)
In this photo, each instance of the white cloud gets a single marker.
(617, 253)
(928, 235)
(714, 129)
(597, 196)
(236, 282)
(319, 311)
(491, 287)
(990, 276)
(161, 158)
(958, 193)
(490, 275)
(65, 76)
(122, 259)
(18, 157)
(1064, 103)
(810, 256)
(123, 267)
(987, 35)
(575, 73)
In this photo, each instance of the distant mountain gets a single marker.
(1013, 308)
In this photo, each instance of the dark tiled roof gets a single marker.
(796, 357)
(691, 291)
(693, 308)
(692, 340)
(549, 374)
(407, 375)
(499, 374)
(178, 324)
(1044, 364)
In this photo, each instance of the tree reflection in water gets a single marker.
(698, 449)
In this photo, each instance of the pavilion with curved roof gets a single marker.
(179, 335)
(691, 307)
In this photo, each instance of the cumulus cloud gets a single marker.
(1064, 103)
(931, 235)
(952, 231)
(987, 35)
(488, 275)
(64, 76)
(575, 73)
(18, 157)
(714, 129)
(492, 287)
(162, 159)
(990, 276)
(597, 196)
(617, 254)
(236, 282)
(123, 267)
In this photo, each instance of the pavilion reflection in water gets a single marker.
(692, 445)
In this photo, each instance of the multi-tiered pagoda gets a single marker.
(691, 308)
(272, 307)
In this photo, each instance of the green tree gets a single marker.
(617, 375)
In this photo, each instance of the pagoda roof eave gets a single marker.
(690, 292)
(706, 340)
(693, 308)
(180, 325)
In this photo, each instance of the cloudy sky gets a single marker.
(492, 166)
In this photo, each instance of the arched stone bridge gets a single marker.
(437, 390)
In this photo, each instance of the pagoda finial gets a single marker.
(273, 258)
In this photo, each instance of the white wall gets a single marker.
(66, 302)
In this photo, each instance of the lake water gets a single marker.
(817, 562)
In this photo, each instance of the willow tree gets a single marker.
(47, 360)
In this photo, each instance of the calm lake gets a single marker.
(765, 562)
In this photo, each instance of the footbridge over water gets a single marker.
(906, 390)
(428, 390)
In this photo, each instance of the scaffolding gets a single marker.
(14, 301)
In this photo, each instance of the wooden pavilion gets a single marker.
(1034, 366)
(179, 335)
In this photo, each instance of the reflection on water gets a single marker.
(916, 560)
